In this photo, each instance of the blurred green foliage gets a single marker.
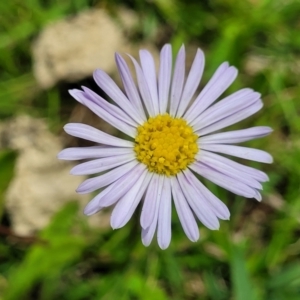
(7, 161)
(255, 255)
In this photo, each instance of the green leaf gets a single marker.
(7, 163)
(57, 248)
(242, 286)
(286, 277)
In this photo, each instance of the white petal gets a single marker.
(95, 135)
(78, 153)
(198, 204)
(178, 80)
(98, 182)
(242, 152)
(164, 78)
(129, 85)
(184, 212)
(220, 81)
(101, 164)
(219, 208)
(148, 67)
(223, 180)
(113, 91)
(164, 216)
(236, 136)
(192, 82)
(126, 206)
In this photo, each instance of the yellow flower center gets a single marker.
(166, 145)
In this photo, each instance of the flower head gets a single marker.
(172, 141)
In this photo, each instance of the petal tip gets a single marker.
(163, 246)
(72, 91)
(270, 159)
(74, 171)
(88, 210)
(60, 155)
(146, 243)
(80, 190)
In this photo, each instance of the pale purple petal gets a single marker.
(164, 216)
(129, 85)
(106, 116)
(221, 80)
(143, 88)
(219, 208)
(76, 94)
(148, 210)
(90, 133)
(126, 206)
(110, 108)
(232, 119)
(184, 212)
(148, 67)
(226, 107)
(236, 98)
(92, 207)
(115, 191)
(198, 203)
(113, 91)
(78, 153)
(115, 122)
(258, 196)
(236, 136)
(101, 164)
(223, 180)
(93, 184)
(164, 77)
(126, 182)
(242, 152)
(222, 167)
(252, 172)
(177, 81)
(192, 82)
(148, 233)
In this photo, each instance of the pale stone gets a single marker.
(41, 184)
(73, 48)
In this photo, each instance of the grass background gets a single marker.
(253, 256)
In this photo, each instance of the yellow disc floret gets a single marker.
(166, 145)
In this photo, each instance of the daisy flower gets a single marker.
(171, 143)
